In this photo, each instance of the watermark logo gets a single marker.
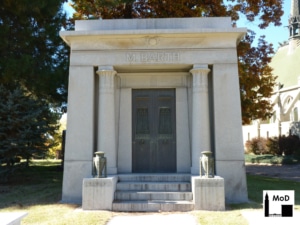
(278, 203)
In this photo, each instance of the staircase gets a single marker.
(153, 192)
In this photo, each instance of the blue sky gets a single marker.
(273, 34)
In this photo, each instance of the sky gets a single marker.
(273, 34)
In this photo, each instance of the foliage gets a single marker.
(256, 146)
(31, 52)
(269, 11)
(34, 72)
(289, 145)
(273, 146)
(26, 127)
(271, 159)
(282, 146)
(56, 150)
(256, 79)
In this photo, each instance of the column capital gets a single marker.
(106, 79)
(106, 70)
(200, 69)
(200, 79)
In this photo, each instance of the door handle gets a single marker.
(141, 142)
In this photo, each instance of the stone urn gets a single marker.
(207, 167)
(99, 165)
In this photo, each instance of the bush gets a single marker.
(273, 146)
(289, 145)
(284, 145)
(257, 146)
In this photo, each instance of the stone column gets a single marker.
(106, 117)
(200, 115)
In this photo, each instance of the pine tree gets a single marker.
(26, 126)
(31, 51)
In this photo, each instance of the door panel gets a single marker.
(154, 131)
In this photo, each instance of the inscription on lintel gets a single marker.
(149, 57)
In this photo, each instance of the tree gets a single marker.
(269, 11)
(256, 79)
(32, 54)
(27, 125)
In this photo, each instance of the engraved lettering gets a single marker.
(150, 57)
(131, 57)
(161, 57)
(176, 56)
(144, 57)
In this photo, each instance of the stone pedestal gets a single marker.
(98, 193)
(208, 193)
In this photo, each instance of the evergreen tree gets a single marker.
(256, 79)
(26, 126)
(31, 51)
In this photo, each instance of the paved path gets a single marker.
(154, 219)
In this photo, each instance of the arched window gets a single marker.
(286, 103)
(295, 114)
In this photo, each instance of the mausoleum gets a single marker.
(152, 94)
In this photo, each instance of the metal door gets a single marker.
(154, 131)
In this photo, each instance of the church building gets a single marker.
(286, 95)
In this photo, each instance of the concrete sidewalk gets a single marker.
(155, 219)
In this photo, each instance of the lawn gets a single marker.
(270, 159)
(37, 190)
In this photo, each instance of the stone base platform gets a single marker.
(209, 193)
(153, 192)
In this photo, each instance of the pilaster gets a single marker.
(228, 139)
(200, 115)
(80, 132)
(106, 117)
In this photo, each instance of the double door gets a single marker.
(154, 131)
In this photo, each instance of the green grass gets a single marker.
(37, 190)
(270, 159)
(40, 183)
(256, 185)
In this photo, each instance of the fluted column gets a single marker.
(200, 115)
(106, 117)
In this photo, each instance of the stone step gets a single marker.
(155, 177)
(154, 186)
(153, 206)
(138, 196)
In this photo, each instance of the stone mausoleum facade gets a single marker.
(153, 94)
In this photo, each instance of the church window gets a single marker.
(295, 114)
